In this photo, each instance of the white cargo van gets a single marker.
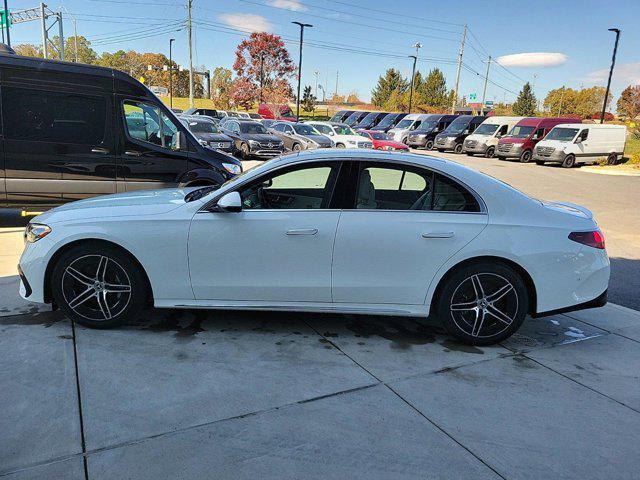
(409, 123)
(570, 143)
(485, 138)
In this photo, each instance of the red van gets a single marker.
(282, 112)
(522, 138)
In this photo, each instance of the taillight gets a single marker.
(593, 239)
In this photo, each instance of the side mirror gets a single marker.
(179, 140)
(229, 202)
(578, 140)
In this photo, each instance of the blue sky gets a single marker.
(572, 35)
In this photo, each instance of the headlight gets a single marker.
(232, 168)
(253, 143)
(351, 142)
(388, 147)
(36, 231)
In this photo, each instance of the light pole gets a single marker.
(171, 40)
(316, 73)
(6, 21)
(413, 75)
(302, 25)
(613, 62)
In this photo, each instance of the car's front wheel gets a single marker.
(457, 148)
(525, 157)
(490, 152)
(98, 285)
(482, 303)
(429, 145)
(244, 151)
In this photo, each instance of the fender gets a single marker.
(204, 175)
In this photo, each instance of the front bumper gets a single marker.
(445, 143)
(417, 141)
(557, 156)
(509, 150)
(474, 147)
(263, 152)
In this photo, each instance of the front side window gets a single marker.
(40, 116)
(584, 134)
(147, 123)
(300, 188)
(303, 129)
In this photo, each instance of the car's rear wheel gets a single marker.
(569, 161)
(612, 159)
(457, 148)
(490, 152)
(98, 286)
(482, 303)
(429, 145)
(525, 157)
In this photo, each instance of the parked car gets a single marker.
(244, 115)
(176, 110)
(282, 112)
(60, 142)
(255, 116)
(485, 138)
(424, 135)
(452, 137)
(251, 139)
(342, 135)
(408, 124)
(523, 137)
(340, 116)
(209, 112)
(371, 120)
(357, 231)
(382, 141)
(569, 143)
(232, 114)
(300, 136)
(388, 122)
(267, 122)
(207, 132)
(355, 118)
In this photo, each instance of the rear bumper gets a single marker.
(599, 301)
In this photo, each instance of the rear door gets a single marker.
(58, 145)
(405, 222)
(147, 151)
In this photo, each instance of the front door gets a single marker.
(278, 248)
(406, 223)
(148, 157)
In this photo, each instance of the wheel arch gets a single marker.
(48, 297)
(526, 277)
(201, 176)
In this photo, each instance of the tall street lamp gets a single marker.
(171, 40)
(413, 75)
(302, 25)
(613, 62)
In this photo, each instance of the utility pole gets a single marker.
(7, 21)
(191, 105)
(486, 80)
(61, 34)
(335, 94)
(301, 25)
(171, 40)
(44, 29)
(561, 98)
(613, 62)
(455, 95)
(413, 76)
(316, 73)
(75, 35)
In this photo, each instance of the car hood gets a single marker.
(512, 140)
(478, 138)
(319, 139)
(141, 202)
(213, 137)
(261, 137)
(557, 144)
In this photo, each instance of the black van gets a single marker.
(355, 117)
(340, 116)
(424, 136)
(371, 120)
(452, 138)
(72, 131)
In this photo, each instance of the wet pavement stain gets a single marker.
(65, 337)
(175, 322)
(403, 338)
(452, 345)
(524, 362)
(46, 319)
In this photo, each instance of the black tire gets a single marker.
(84, 275)
(296, 147)
(525, 157)
(490, 152)
(457, 148)
(569, 161)
(441, 150)
(340, 145)
(501, 158)
(612, 159)
(474, 318)
(245, 152)
(540, 162)
(429, 145)
(470, 154)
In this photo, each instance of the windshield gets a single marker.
(253, 127)
(486, 129)
(562, 134)
(458, 126)
(405, 123)
(388, 120)
(305, 130)
(427, 125)
(203, 127)
(521, 132)
(369, 118)
(343, 130)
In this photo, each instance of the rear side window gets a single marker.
(59, 117)
(450, 196)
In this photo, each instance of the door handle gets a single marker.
(438, 235)
(100, 150)
(303, 231)
(133, 153)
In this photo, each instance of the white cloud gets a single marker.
(247, 22)
(293, 5)
(532, 59)
(625, 73)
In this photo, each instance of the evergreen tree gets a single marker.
(308, 101)
(433, 91)
(525, 105)
(387, 84)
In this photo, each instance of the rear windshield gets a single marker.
(486, 129)
(562, 134)
(521, 132)
(253, 127)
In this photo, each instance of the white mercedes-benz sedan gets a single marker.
(345, 231)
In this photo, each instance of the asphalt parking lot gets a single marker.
(195, 394)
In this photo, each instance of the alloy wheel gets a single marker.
(484, 305)
(96, 287)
